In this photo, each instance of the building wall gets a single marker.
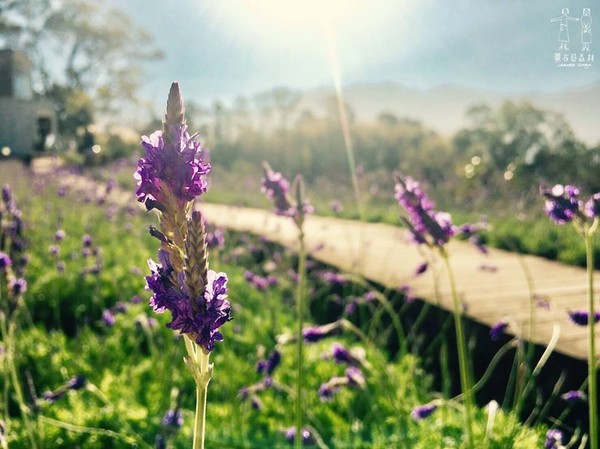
(19, 124)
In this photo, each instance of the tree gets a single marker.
(80, 48)
(510, 151)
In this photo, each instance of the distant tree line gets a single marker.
(503, 153)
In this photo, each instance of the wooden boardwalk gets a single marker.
(381, 253)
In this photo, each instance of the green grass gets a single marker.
(135, 370)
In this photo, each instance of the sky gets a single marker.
(219, 49)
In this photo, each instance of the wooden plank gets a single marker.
(381, 254)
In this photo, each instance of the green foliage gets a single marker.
(134, 366)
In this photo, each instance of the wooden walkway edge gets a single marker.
(380, 253)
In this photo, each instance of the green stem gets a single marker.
(198, 363)
(592, 366)
(461, 344)
(300, 340)
(200, 421)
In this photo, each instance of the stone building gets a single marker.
(27, 125)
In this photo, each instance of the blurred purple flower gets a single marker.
(215, 239)
(581, 318)
(573, 396)
(75, 383)
(317, 333)
(562, 202)
(290, 435)
(340, 354)
(86, 241)
(425, 225)
(355, 377)
(327, 391)
(173, 418)
(334, 278)
(5, 261)
(53, 250)
(497, 330)
(108, 317)
(267, 367)
(592, 206)
(422, 268)
(423, 411)
(60, 266)
(60, 235)
(17, 286)
(276, 187)
(554, 438)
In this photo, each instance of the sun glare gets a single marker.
(304, 12)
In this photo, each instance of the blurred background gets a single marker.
(483, 101)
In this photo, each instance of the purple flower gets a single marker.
(498, 329)
(173, 164)
(258, 282)
(592, 206)
(53, 250)
(423, 411)
(215, 239)
(327, 391)
(340, 354)
(422, 268)
(355, 377)
(268, 366)
(554, 437)
(290, 435)
(86, 241)
(60, 235)
(573, 396)
(425, 225)
(108, 317)
(201, 317)
(60, 266)
(77, 382)
(562, 202)
(17, 286)
(7, 195)
(276, 187)
(581, 318)
(173, 419)
(317, 333)
(334, 278)
(5, 261)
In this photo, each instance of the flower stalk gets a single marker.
(170, 177)
(277, 188)
(592, 359)
(461, 343)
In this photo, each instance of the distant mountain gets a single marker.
(443, 108)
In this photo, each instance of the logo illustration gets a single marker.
(566, 58)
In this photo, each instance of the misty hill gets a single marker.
(443, 108)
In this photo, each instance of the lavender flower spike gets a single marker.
(424, 223)
(173, 167)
